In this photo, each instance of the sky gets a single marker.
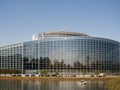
(20, 19)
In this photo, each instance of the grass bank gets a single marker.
(113, 84)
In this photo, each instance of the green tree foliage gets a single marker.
(57, 72)
(44, 72)
(117, 73)
(108, 72)
(7, 71)
(97, 72)
(84, 73)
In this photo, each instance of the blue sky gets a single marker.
(19, 19)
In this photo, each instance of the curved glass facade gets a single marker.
(69, 55)
(72, 54)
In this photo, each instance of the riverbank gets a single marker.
(57, 78)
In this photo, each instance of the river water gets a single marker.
(51, 85)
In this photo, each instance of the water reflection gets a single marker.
(50, 85)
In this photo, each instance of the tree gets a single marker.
(57, 72)
(117, 73)
(84, 73)
(44, 72)
(108, 72)
(97, 72)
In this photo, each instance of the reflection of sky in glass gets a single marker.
(30, 50)
(79, 49)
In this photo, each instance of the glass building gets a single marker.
(70, 53)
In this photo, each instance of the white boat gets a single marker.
(82, 82)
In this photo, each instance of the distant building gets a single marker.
(70, 53)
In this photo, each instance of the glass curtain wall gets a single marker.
(30, 57)
(68, 55)
(75, 55)
(11, 58)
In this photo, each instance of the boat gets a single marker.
(82, 82)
